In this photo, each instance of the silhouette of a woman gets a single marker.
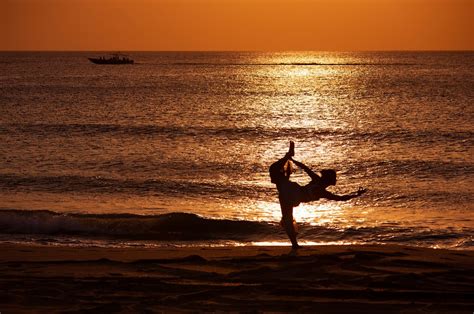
(291, 194)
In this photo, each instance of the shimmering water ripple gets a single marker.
(196, 132)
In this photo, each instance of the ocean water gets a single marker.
(175, 149)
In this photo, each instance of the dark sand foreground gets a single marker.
(328, 279)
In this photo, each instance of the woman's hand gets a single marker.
(299, 164)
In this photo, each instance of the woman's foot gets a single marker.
(291, 151)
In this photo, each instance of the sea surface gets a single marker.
(175, 149)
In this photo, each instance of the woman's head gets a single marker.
(328, 177)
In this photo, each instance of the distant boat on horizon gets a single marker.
(115, 58)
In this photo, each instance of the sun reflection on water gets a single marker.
(296, 72)
(317, 214)
(304, 243)
(313, 214)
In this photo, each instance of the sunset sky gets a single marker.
(128, 25)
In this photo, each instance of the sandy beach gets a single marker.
(328, 279)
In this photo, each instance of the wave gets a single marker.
(421, 169)
(103, 185)
(181, 226)
(171, 226)
(381, 195)
(421, 136)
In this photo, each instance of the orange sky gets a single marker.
(126, 25)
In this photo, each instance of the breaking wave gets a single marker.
(181, 226)
(171, 226)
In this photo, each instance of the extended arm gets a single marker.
(330, 196)
(311, 174)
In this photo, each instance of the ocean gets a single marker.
(174, 150)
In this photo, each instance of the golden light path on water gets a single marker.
(314, 214)
(301, 106)
(283, 243)
(323, 213)
(311, 111)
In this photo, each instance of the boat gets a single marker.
(116, 58)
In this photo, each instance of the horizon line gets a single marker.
(289, 50)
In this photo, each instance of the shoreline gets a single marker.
(328, 279)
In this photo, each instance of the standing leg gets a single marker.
(288, 224)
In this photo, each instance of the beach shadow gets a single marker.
(294, 251)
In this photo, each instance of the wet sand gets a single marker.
(325, 279)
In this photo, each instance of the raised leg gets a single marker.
(277, 168)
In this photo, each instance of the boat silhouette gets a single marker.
(112, 59)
